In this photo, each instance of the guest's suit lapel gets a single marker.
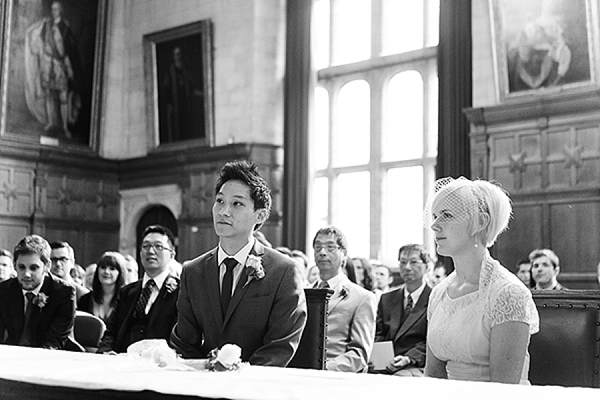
(338, 296)
(242, 284)
(17, 308)
(418, 312)
(396, 310)
(212, 287)
(157, 306)
(37, 312)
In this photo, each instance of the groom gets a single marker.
(241, 292)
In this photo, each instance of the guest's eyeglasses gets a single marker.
(159, 248)
(413, 263)
(329, 247)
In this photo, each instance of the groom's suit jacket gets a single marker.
(161, 316)
(50, 325)
(408, 337)
(265, 317)
(350, 327)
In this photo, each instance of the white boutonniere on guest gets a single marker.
(171, 284)
(227, 358)
(41, 300)
(254, 268)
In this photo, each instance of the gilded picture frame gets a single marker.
(544, 47)
(178, 65)
(51, 59)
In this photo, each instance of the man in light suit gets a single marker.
(402, 314)
(241, 292)
(146, 309)
(351, 312)
(36, 309)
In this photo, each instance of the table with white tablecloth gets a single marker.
(51, 374)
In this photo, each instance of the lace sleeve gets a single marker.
(513, 302)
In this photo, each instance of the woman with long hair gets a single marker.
(109, 277)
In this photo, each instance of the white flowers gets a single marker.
(41, 299)
(254, 268)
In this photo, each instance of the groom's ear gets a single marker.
(261, 215)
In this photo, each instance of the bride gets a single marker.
(481, 316)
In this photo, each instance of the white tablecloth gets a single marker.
(94, 371)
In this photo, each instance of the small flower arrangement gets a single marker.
(41, 300)
(254, 268)
(344, 292)
(227, 358)
(171, 284)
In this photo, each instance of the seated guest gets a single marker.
(90, 270)
(63, 261)
(524, 273)
(77, 273)
(545, 267)
(146, 309)
(363, 271)
(241, 292)
(7, 270)
(132, 270)
(351, 313)
(36, 309)
(439, 272)
(312, 277)
(402, 314)
(382, 280)
(481, 317)
(109, 276)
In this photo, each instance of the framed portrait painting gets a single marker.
(178, 65)
(51, 61)
(544, 46)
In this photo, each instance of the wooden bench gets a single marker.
(566, 350)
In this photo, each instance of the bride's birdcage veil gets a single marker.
(485, 205)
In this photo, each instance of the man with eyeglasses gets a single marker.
(63, 261)
(351, 313)
(402, 314)
(241, 292)
(147, 308)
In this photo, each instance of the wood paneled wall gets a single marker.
(545, 151)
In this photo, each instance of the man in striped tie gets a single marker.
(402, 314)
(146, 309)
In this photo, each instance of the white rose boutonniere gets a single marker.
(254, 268)
(41, 299)
(171, 284)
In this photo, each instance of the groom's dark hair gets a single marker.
(247, 173)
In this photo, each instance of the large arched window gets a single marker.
(374, 137)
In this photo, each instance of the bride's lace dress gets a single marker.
(459, 329)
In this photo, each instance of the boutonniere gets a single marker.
(254, 268)
(171, 284)
(344, 292)
(41, 300)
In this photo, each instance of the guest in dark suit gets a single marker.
(402, 314)
(241, 292)
(146, 309)
(351, 313)
(36, 309)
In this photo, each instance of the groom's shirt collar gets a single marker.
(240, 257)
